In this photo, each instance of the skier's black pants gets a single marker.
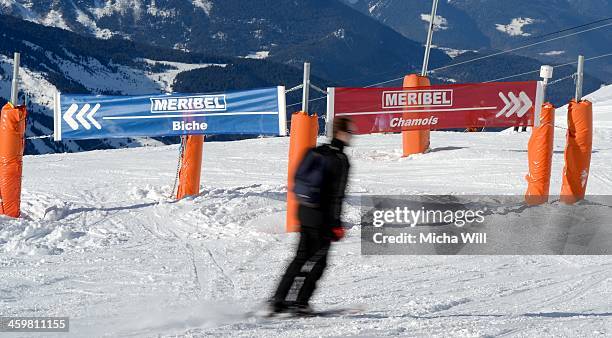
(300, 280)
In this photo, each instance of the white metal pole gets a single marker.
(282, 111)
(434, 9)
(546, 73)
(579, 78)
(15, 84)
(329, 120)
(306, 88)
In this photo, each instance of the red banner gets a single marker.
(375, 110)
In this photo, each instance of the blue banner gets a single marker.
(250, 112)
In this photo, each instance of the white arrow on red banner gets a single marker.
(519, 105)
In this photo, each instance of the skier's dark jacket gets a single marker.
(327, 215)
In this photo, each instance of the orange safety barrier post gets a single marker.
(12, 129)
(539, 154)
(577, 151)
(303, 136)
(191, 167)
(415, 141)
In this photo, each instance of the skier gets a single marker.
(320, 184)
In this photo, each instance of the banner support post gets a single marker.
(329, 117)
(539, 102)
(57, 117)
(579, 78)
(282, 111)
(306, 87)
(15, 84)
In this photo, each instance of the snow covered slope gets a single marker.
(102, 243)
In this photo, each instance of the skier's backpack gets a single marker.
(309, 179)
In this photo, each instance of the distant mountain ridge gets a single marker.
(343, 45)
(360, 51)
(338, 41)
(485, 25)
(53, 59)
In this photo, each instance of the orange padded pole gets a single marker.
(191, 167)
(415, 141)
(539, 154)
(12, 129)
(303, 136)
(577, 151)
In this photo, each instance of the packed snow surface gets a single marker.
(102, 243)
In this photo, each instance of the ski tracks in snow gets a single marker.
(201, 226)
(110, 246)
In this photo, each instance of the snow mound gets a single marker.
(37, 238)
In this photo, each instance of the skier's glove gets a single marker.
(338, 233)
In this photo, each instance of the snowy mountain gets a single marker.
(339, 42)
(109, 249)
(343, 45)
(104, 53)
(496, 67)
(55, 59)
(482, 25)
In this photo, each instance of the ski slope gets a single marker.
(102, 243)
